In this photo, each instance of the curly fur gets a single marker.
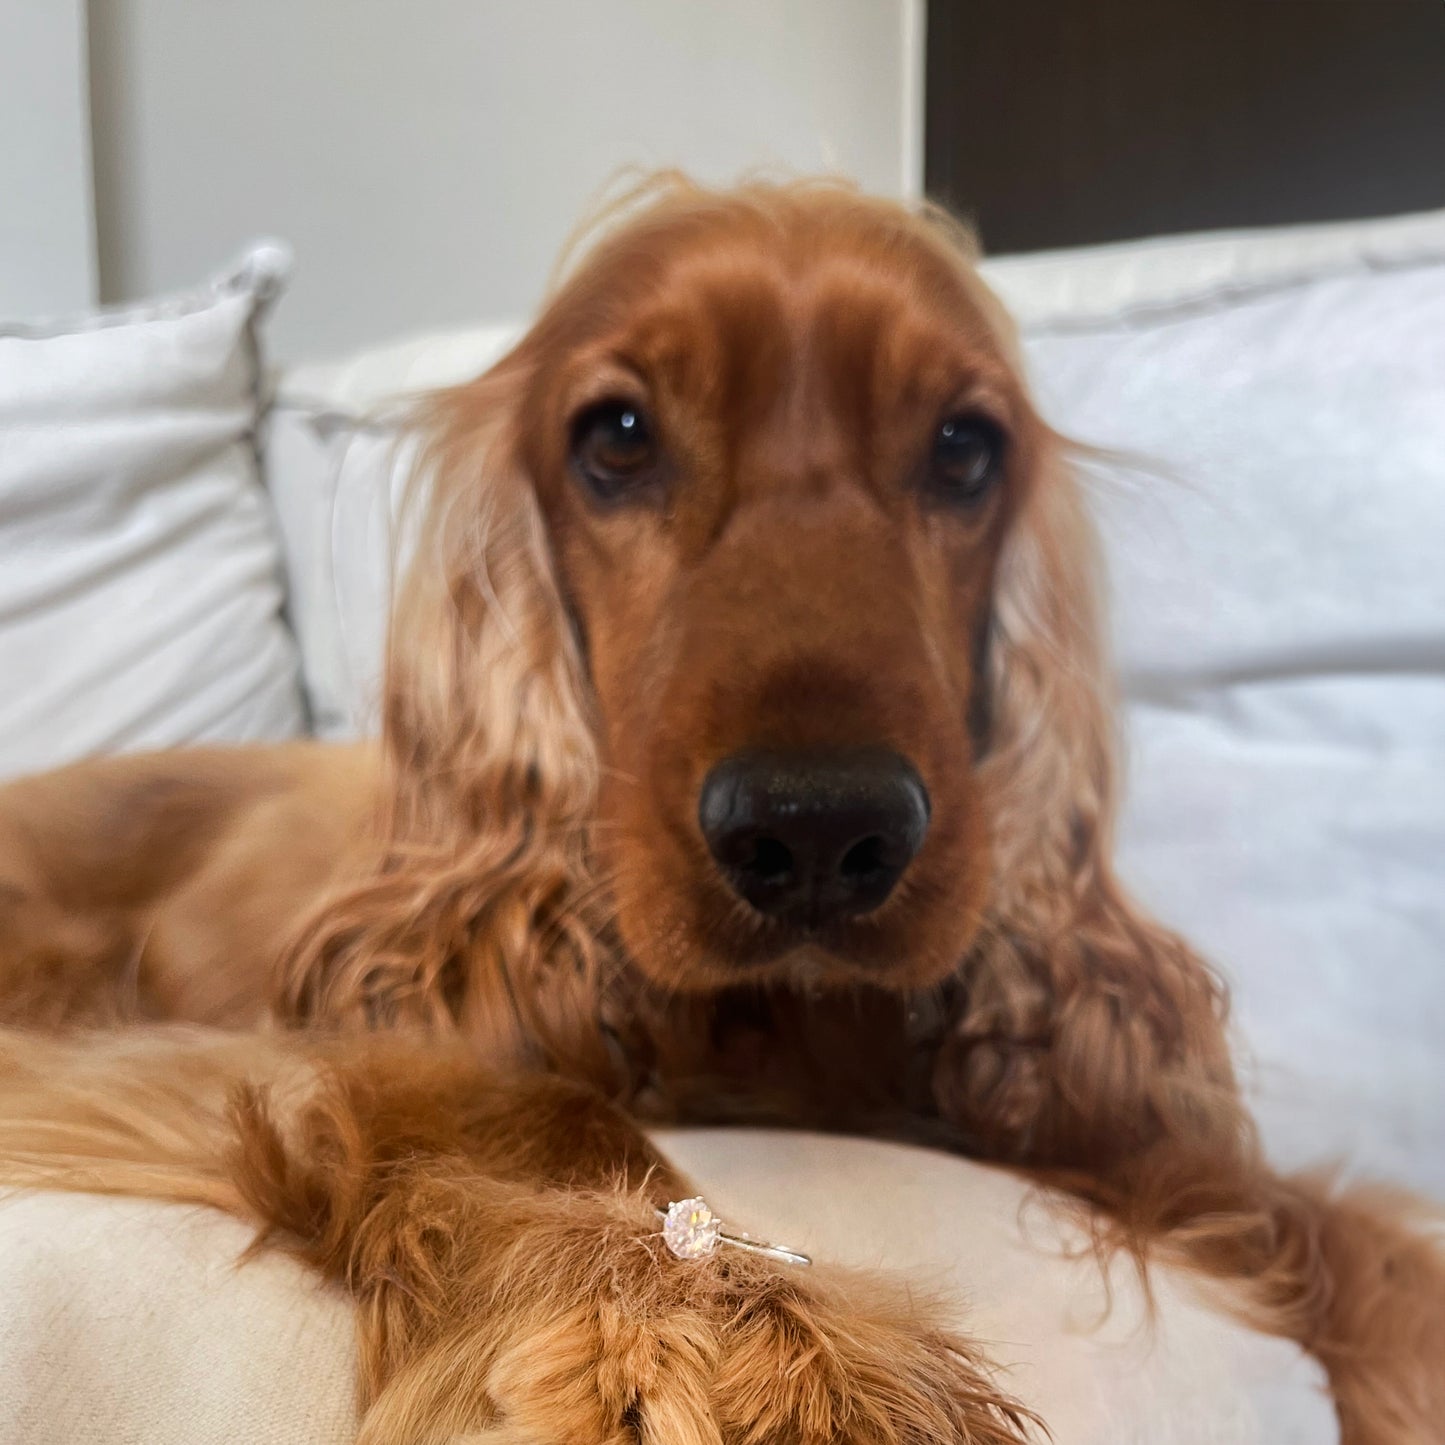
(477, 910)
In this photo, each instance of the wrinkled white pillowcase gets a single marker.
(339, 460)
(1279, 624)
(141, 589)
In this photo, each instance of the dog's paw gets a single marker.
(598, 1336)
(614, 1370)
(803, 1360)
(748, 1356)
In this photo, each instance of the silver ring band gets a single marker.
(692, 1231)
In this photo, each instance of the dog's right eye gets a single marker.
(967, 461)
(613, 449)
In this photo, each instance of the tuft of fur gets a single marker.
(478, 911)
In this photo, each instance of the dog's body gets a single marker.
(745, 751)
(165, 886)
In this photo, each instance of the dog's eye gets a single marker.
(967, 459)
(613, 448)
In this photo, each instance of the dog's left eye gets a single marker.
(613, 448)
(967, 460)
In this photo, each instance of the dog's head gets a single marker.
(750, 593)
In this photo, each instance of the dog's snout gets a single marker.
(813, 838)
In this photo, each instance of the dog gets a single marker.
(746, 753)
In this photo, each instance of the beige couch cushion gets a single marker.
(125, 1323)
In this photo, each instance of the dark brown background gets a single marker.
(1066, 122)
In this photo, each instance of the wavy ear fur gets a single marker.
(1085, 1028)
(474, 912)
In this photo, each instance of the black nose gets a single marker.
(811, 838)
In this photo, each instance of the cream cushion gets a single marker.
(126, 1323)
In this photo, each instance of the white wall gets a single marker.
(426, 158)
(46, 247)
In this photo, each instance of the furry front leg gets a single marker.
(559, 1318)
(1152, 1136)
(500, 1241)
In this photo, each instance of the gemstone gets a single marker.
(690, 1229)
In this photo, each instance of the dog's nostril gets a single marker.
(771, 861)
(812, 838)
(865, 859)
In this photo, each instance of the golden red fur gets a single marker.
(842, 529)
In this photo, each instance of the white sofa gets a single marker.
(1280, 629)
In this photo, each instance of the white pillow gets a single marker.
(141, 593)
(338, 461)
(1279, 605)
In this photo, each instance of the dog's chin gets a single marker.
(810, 968)
(697, 962)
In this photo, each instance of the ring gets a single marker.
(692, 1231)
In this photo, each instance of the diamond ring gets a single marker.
(692, 1231)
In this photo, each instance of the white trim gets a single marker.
(913, 87)
(87, 158)
(47, 214)
(1142, 282)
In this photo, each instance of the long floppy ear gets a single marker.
(471, 912)
(1084, 1028)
